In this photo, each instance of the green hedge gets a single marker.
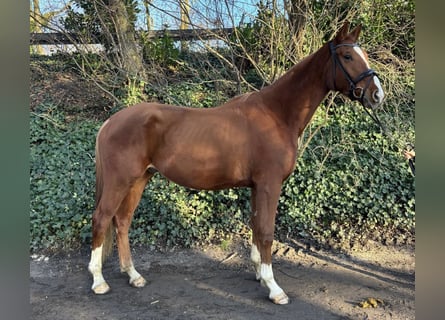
(350, 183)
(62, 179)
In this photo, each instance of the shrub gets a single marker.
(61, 179)
(351, 183)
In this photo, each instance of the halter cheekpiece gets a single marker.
(355, 93)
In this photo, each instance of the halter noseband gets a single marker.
(355, 93)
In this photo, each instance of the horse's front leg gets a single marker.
(255, 255)
(263, 227)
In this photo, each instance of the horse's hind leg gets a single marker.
(122, 221)
(102, 237)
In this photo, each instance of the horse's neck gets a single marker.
(296, 95)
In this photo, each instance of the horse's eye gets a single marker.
(348, 57)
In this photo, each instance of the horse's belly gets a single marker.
(204, 171)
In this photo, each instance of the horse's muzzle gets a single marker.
(373, 97)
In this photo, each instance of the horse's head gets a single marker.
(352, 75)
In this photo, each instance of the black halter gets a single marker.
(355, 93)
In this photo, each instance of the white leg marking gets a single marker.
(95, 267)
(276, 294)
(256, 258)
(136, 280)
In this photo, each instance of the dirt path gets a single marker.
(220, 284)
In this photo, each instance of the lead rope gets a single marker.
(376, 119)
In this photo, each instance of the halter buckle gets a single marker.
(357, 92)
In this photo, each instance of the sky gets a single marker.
(204, 13)
(165, 13)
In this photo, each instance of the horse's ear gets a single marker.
(343, 32)
(355, 33)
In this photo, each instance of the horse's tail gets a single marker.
(107, 245)
(99, 180)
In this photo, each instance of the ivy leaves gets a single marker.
(349, 183)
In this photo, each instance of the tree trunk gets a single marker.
(36, 24)
(147, 14)
(39, 21)
(184, 5)
(297, 11)
(128, 51)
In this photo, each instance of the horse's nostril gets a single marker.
(376, 96)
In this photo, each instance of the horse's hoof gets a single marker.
(101, 288)
(281, 298)
(138, 282)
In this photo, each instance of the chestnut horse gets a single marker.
(250, 141)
